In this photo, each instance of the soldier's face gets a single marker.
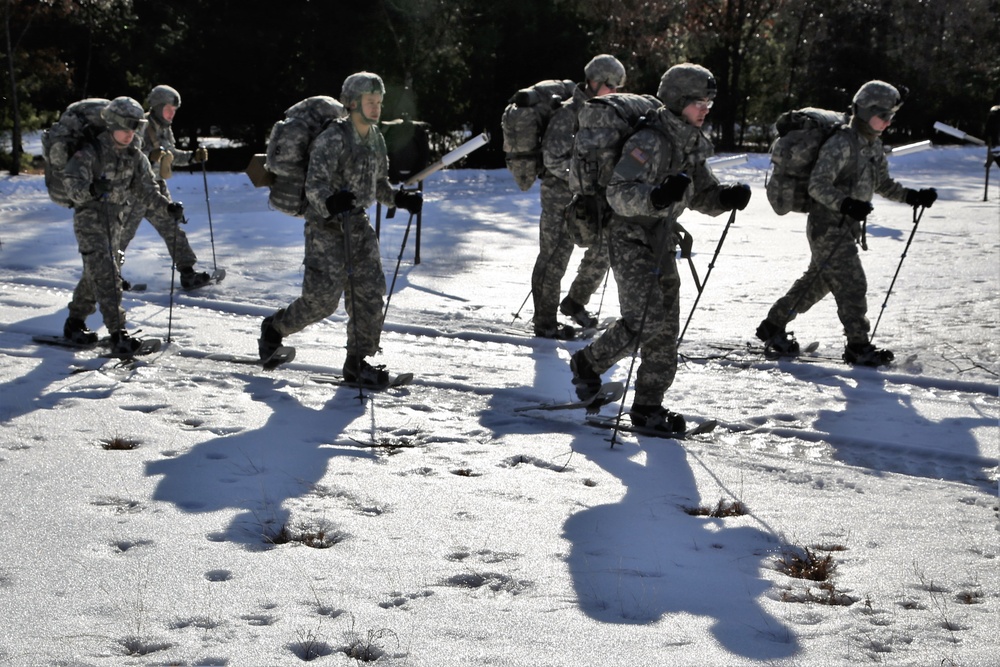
(696, 112)
(371, 106)
(879, 124)
(123, 137)
(169, 111)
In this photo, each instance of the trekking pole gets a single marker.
(208, 206)
(711, 265)
(989, 164)
(350, 281)
(654, 283)
(173, 274)
(399, 260)
(916, 221)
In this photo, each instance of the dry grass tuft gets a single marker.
(118, 443)
(806, 565)
(721, 510)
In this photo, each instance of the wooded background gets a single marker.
(239, 64)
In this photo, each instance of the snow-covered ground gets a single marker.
(460, 532)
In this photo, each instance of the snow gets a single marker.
(458, 531)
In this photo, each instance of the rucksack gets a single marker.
(81, 122)
(605, 123)
(288, 146)
(524, 121)
(801, 133)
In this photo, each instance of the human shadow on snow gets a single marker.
(258, 470)
(642, 559)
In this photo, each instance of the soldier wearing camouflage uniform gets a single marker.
(850, 169)
(348, 172)
(160, 148)
(661, 173)
(604, 74)
(108, 180)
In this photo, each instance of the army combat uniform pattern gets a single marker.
(98, 223)
(342, 160)
(554, 236)
(849, 165)
(160, 136)
(642, 249)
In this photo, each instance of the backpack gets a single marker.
(288, 146)
(801, 133)
(81, 122)
(605, 123)
(524, 121)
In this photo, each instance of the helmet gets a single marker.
(682, 84)
(876, 98)
(605, 69)
(358, 84)
(123, 113)
(163, 95)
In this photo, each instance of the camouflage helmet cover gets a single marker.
(161, 95)
(123, 113)
(684, 83)
(358, 84)
(876, 97)
(605, 69)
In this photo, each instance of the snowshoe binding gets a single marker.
(269, 342)
(656, 418)
(555, 331)
(586, 380)
(866, 354)
(124, 346)
(777, 341)
(577, 312)
(76, 332)
(360, 373)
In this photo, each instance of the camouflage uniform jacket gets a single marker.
(557, 143)
(651, 155)
(161, 135)
(341, 159)
(849, 165)
(132, 181)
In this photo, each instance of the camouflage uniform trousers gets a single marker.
(555, 249)
(835, 266)
(644, 291)
(98, 228)
(327, 277)
(170, 231)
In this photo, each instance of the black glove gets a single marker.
(101, 187)
(734, 197)
(411, 200)
(176, 211)
(670, 191)
(925, 197)
(855, 208)
(340, 202)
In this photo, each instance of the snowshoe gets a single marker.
(586, 380)
(192, 280)
(866, 354)
(270, 339)
(359, 372)
(656, 418)
(577, 312)
(777, 341)
(76, 332)
(555, 331)
(124, 346)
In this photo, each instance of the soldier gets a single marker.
(109, 180)
(604, 74)
(159, 146)
(851, 167)
(348, 172)
(661, 172)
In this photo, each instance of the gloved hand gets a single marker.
(176, 211)
(925, 197)
(166, 165)
(101, 188)
(734, 197)
(340, 202)
(200, 154)
(670, 191)
(411, 200)
(155, 155)
(855, 208)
